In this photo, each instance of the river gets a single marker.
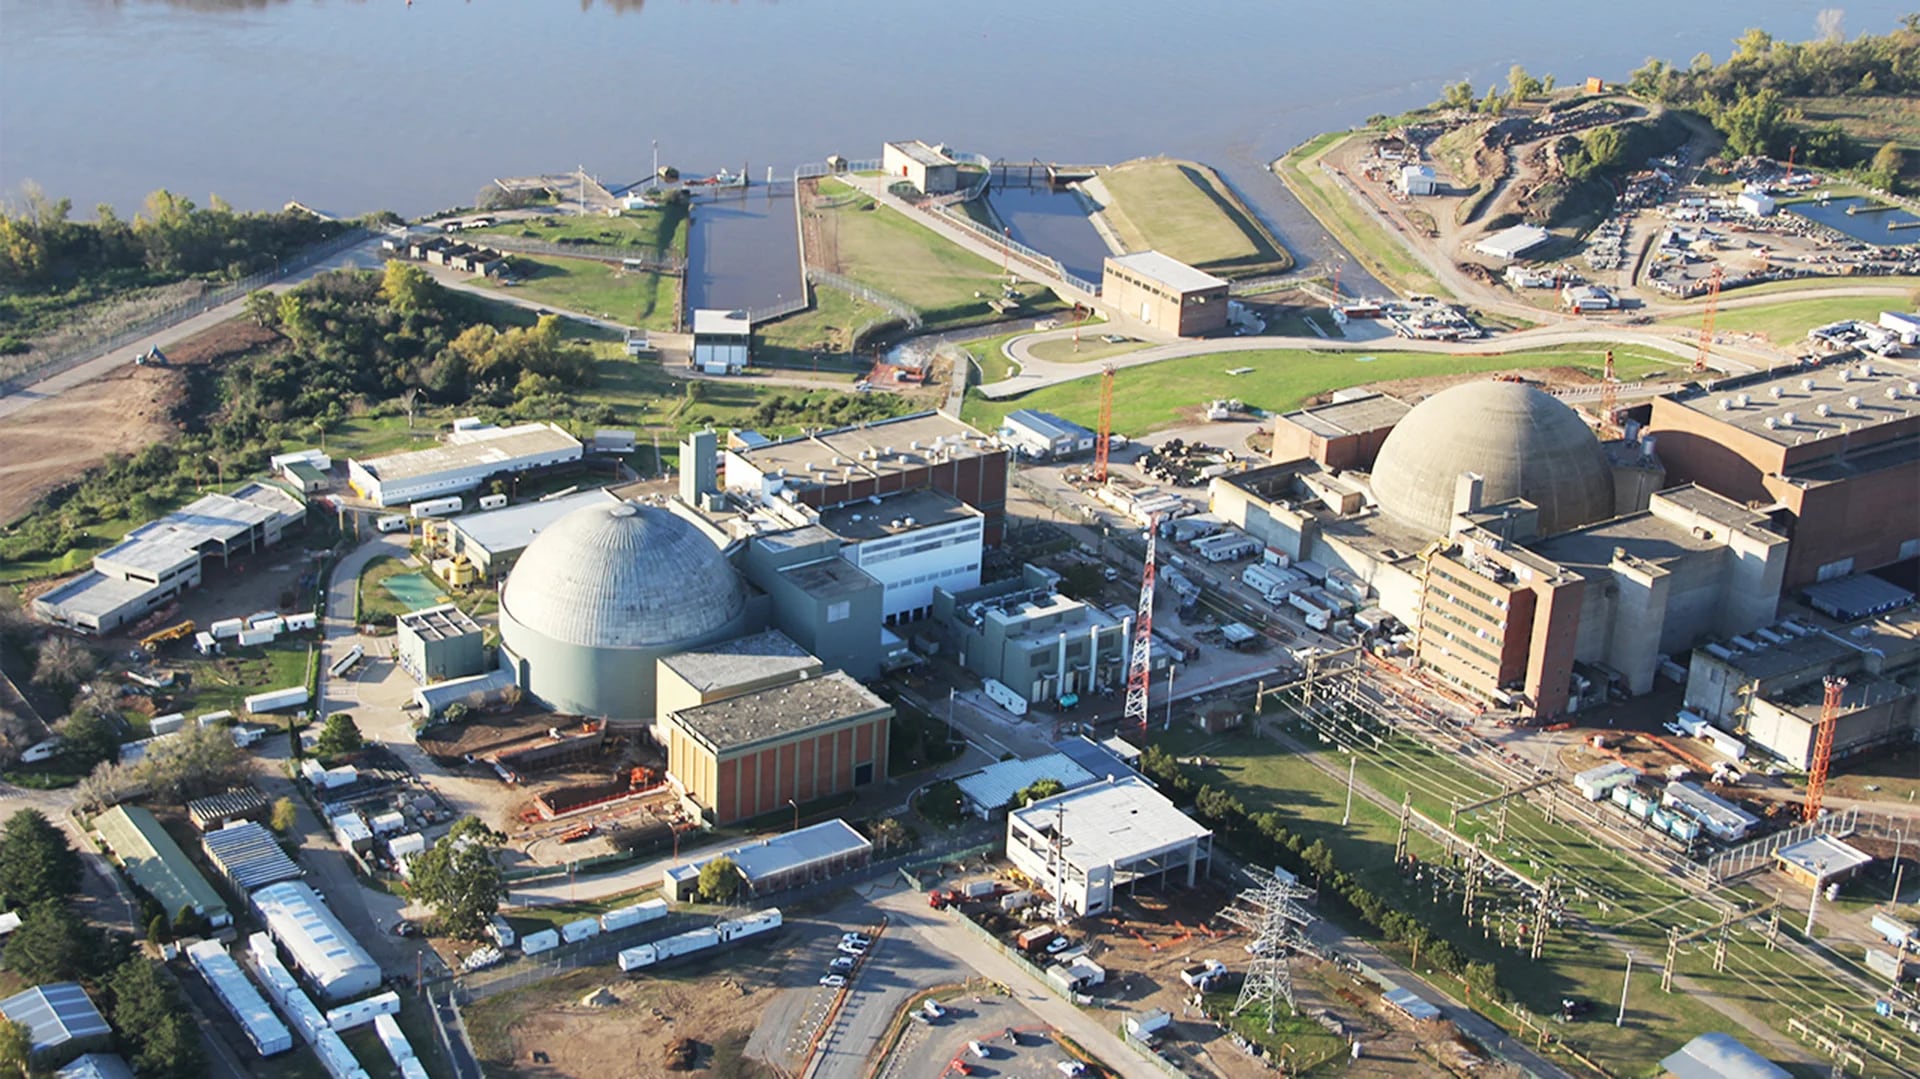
(354, 105)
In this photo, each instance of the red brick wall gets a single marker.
(761, 780)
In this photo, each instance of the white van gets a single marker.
(391, 523)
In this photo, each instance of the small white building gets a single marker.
(1905, 325)
(930, 171)
(722, 341)
(471, 455)
(1581, 298)
(1512, 243)
(1045, 436)
(1085, 845)
(1595, 783)
(1418, 180)
(1756, 202)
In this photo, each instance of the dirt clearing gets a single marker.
(52, 442)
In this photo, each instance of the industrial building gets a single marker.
(912, 543)
(492, 540)
(152, 860)
(257, 1021)
(1164, 293)
(1537, 564)
(1511, 243)
(1831, 449)
(1768, 685)
(1344, 433)
(304, 470)
(321, 947)
(927, 168)
(1418, 180)
(722, 341)
(249, 856)
(1084, 846)
(472, 454)
(1074, 763)
(1820, 860)
(1720, 1056)
(800, 740)
(217, 810)
(61, 1023)
(438, 643)
(790, 860)
(715, 672)
(96, 1066)
(1027, 636)
(1044, 436)
(163, 558)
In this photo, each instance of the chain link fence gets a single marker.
(638, 258)
(900, 309)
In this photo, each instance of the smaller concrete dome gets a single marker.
(1524, 443)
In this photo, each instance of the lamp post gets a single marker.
(1621, 1019)
(796, 814)
(1346, 817)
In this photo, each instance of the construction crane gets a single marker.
(1103, 444)
(1706, 322)
(1609, 398)
(1140, 660)
(1823, 746)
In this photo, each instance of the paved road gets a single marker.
(361, 256)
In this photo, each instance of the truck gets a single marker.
(1004, 696)
(1199, 974)
(1036, 937)
(436, 507)
(1316, 616)
(177, 632)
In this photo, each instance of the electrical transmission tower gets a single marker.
(1271, 911)
(1140, 663)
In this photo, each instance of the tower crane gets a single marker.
(1706, 321)
(1103, 444)
(1140, 660)
(1823, 745)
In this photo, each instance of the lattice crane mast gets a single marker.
(1140, 660)
(1103, 444)
(1823, 745)
(1706, 322)
(1609, 399)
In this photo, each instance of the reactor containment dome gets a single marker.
(600, 595)
(1521, 441)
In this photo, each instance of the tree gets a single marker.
(52, 944)
(888, 832)
(1752, 122)
(1484, 980)
(146, 1009)
(459, 878)
(16, 1046)
(338, 736)
(188, 922)
(1884, 173)
(88, 736)
(285, 816)
(158, 932)
(719, 880)
(408, 289)
(36, 863)
(1457, 95)
(1035, 791)
(196, 761)
(171, 1050)
(408, 401)
(263, 307)
(63, 664)
(1520, 85)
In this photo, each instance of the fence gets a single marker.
(1757, 855)
(815, 169)
(1151, 1055)
(1038, 259)
(69, 358)
(901, 309)
(646, 257)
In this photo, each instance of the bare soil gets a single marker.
(50, 443)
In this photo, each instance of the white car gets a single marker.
(1071, 1067)
(1058, 945)
(850, 948)
(978, 1050)
(856, 938)
(933, 1009)
(833, 981)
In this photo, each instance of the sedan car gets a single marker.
(977, 1050)
(856, 938)
(1058, 945)
(841, 965)
(850, 948)
(833, 981)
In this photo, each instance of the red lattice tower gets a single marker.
(1823, 746)
(1706, 323)
(1103, 445)
(1140, 662)
(1609, 397)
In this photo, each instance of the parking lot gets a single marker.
(943, 1046)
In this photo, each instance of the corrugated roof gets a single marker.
(319, 944)
(156, 862)
(1109, 824)
(1410, 1003)
(230, 803)
(1168, 271)
(793, 850)
(1721, 1056)
(995, 785)
(55, 1014)
(249, 856)
(96, 1066)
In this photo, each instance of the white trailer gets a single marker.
(1315, 615)
(1002, 695)
(436, 507)
(250, 638)
(167, 724)
(392, 522)
(1272, 582)
(575, 932)
(492, 502)
(227, 628)
(1227, 546)
(635, 914)
(276, 699)
(544, 941)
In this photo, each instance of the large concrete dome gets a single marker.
(603, 593)
(1525, 444)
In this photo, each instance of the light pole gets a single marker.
(1169, 723)
(1347, 816)
(1621, 1019)
(796, 813)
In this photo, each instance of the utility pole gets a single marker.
(1346, 817)
(1625, 983)
(1168, 725)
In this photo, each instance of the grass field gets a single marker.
(1788, 322)
(823, 333)
(378, 605)
(662, 231)
(1870, 121)
(635, 297)
(1090, 348)
(1187, 211)
(220, 683)
(1156, 395)
(897, 255)
(1359, 231)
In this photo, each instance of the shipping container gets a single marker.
(761, 921)
(498, 927)
(167, 724)
(216, 719)
(977, 888)
(252, 638)
(1315, 615)
(1895, 930)
(392, 522)
(492, 502)
(227, 628)
(1028, 938)
(303, 621)
(274, 700)
(1005, 697)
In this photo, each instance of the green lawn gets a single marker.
(663, 230)
(379, 606)
(894, 254)
(221, 683)
(822, 335)
(1187, 211)
(534, 919)
(1787, 323)
(1359, 231)
(1155, 395)
(1090, 347)
(633, 297)
(995, 364)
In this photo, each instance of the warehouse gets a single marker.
(1720, 1056)
(249, 856)
(320, 946)
(1044, 436)
(1027, 636)
(216, 810)
(992, 788)
(1345, 433)
(930, 171)
(163, 558)
(1417, 180)
(789, 860)
(1511, 243)
(61, 1022)
(1164, 293)
(1084, 846)
(472, 454)
(803, 740)
(494, 539)
(151, 859)
(438, 643)
(722, 341)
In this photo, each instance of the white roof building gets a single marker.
(1418, 180)
(1083, 846)
(722, 341)
(1177, 276)
(992, 787)
(470, 455)
(1514, 242)
(263, 1028)
(320, 946)
(1757, 203)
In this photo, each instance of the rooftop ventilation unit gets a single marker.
(1821, 409)
(1806, 384)
(1775, 392)
(1742, 400)
(1866, 370)
(1893, 393)
(1853, 401)
(1844, 374)
(1726, 404)
(1772, 423)
(1787, 418)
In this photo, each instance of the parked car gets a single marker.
(841, 965)
(1058, 945)
(857, 938)
(850, 948)
(405, 928)
(933, 1009)
(1071, 1067)
(977, 1050)
(833, 981)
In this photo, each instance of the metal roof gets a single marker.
(1823, 856)
(995, 785)
(1721, 1056)
(175, 538)
(512, 528)
(55, 1014)
(250, 856)
(266, 1031)
(96, 1066)
(441, 623)
(920, 153)
(1114, 823)
(156, 862)
(94, 593)
(1101, 758)
(229, 803)
(1168, 271)
(795, 850)
(720, 323)
(319, 944)
(470, 447)
(778, 711)
(745, 659)
(1047, 425)
(1854, 597)
(1411, 1003)
(1512, 242)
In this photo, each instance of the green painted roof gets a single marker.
(156, 862)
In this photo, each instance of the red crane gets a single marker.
(1102, 445)
(1140, 660)
(1823, 746)
(1706, 323)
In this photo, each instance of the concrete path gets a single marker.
(360, 256)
